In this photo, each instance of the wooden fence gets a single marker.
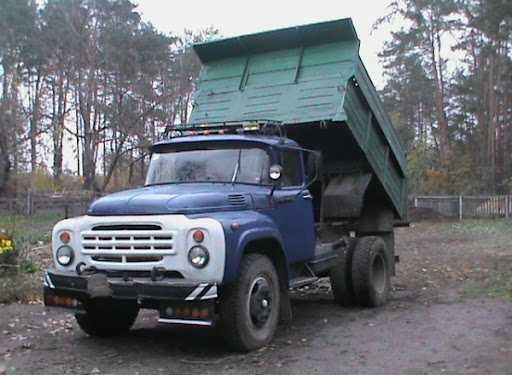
(29, 204)
(467, 206)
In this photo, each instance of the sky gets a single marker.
(240, 17)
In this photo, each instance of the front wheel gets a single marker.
(249, 308)
(106, 318)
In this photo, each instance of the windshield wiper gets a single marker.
(237, 167)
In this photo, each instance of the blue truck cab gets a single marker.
(236, 212)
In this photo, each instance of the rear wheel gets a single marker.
(371, 272)
(341, 277)
(105, 318)
(249, 308)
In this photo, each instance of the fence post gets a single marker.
(415, 202)
(28, 210)
(460, 207)
(507, 205)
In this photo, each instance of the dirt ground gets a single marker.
(450, 313)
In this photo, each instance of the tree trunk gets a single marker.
(442, 122)
(60, 94)
(492, 125)
(5, 165)
(6, 113)
(34, 122)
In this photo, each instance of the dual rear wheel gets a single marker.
(363, 275)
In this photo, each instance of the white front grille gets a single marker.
(128, 244)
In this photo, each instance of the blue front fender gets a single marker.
(253, 226)
(234, 255)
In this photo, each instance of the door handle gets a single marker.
(307, 195)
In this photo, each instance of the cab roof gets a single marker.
(235, 138)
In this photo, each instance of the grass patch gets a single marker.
(20, 274)
(483, 226)
(30, 230)
(20, 287)
(497, 285)
(497, 234)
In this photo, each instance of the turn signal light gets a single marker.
(198, 236)
(65, 237)
(188, 313)
(59, 301)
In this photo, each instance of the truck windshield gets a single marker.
(230, 165)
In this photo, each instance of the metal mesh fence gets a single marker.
(486, 206)
(443, 205)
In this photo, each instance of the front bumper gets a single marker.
(100, 285)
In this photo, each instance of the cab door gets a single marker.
(293, 208)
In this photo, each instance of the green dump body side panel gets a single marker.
(299, 75)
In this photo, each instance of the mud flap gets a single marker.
(285, 308)
(343, 197)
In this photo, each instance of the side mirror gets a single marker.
(275, 171)
(312, 166)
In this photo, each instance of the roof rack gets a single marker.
(259, 127)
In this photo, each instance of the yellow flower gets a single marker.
(6, 245)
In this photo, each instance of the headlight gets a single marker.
(64, 255)
(198, 256)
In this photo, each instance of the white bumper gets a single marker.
(159, 241)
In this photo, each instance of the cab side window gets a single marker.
(292, 171)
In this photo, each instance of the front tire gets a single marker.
(371, 272)
(106, 318)
(249, 308)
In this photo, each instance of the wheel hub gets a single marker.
(260, 301)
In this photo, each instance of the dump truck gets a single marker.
(288, 171)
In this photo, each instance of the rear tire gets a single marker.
(371, 272)
(341, 277)
(106, 318)
(249, 308)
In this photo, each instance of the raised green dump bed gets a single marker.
(312, 79)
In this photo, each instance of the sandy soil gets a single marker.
(450, 313)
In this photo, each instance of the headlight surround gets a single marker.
(64, 255)
(198, 256)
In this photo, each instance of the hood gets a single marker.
(182, 199)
